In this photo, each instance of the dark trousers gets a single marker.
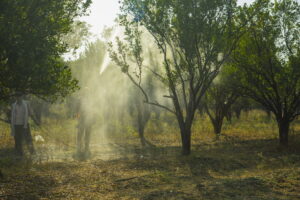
(23, 135)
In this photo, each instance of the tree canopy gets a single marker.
(194, 38)
(31, 46)
(268, 61)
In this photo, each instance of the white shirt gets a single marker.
(19, 114)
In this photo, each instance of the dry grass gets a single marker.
(247, 163)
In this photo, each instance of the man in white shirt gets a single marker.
(19, 125)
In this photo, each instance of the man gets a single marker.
(20, 129)
(85, 123)
(84, 133)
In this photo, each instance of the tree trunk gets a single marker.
(141, 126)
(141, 135)
(284, 126)
(217, 123)
(229, 116)
(186, 140)
(238, 113)
(143, 117)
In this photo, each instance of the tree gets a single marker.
(77, 37)
(219, 98)
(194, 39)
(268, 61)
(140, 114)
(31, 46)
(139, 111)
(241, 104)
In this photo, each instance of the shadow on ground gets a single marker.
(253, 169)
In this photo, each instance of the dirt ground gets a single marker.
(228, 169)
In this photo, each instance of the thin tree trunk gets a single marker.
(142, 120)
(229, 116)
(238, 113)
(217, 123)
(284, 126)
(141, 126)
(186, 140)
(142, 137)
(143, 140)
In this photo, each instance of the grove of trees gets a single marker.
(196, 39)
(181, 56)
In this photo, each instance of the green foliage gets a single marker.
(78, 36)
(194, 38)
(222, 90)
(220, 96)
(31, 33)
(267, 60)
